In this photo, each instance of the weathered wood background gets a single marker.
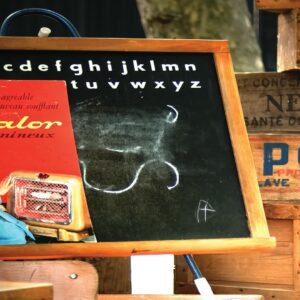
(271, 101)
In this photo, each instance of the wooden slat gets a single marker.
(249, 268)
(297, 255)
(282, 230)
(225, 287)
(289, 210)
(98, 44)
(10, 290)
(275, 5)
(177, 297)
(109, 249)
(268, 293)
(71, 280)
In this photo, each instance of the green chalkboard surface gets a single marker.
(161, 146)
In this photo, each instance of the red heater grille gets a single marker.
(52, 205)
(42, 201)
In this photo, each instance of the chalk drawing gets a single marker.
(133, 183)
(125, 131)
(204, 211)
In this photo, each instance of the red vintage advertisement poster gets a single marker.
(42, 194)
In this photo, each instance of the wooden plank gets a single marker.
(114, 274)
(277, 166)
(94, 44)
(296, 255)
(270, 101)
(70, 279)
(297, 25)
(275, 5)
(109, 249)
(250, 268)
(288, 41)
(267, 293)
(177, 297)
(10, 290)
(289, 210)
(282, 230)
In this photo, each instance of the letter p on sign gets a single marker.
(270, 160)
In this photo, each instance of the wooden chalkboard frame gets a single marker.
(259, 239)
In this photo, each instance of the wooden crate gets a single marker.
(271, 104)
(274, 274)
(288, 45)
(271, 101)
(277, 5)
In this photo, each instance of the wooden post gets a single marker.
(288, 52)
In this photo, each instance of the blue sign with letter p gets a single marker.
(269, 161)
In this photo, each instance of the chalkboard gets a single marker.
(163, 149)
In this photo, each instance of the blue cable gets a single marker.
(38, 11)
(193, 266)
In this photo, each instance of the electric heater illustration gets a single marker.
(51, 205)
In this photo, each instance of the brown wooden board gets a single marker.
(288, 42)
(70, 279)
(25, 291)
(209, 144)
(178, 297)
(270, 101)
(277, 5)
